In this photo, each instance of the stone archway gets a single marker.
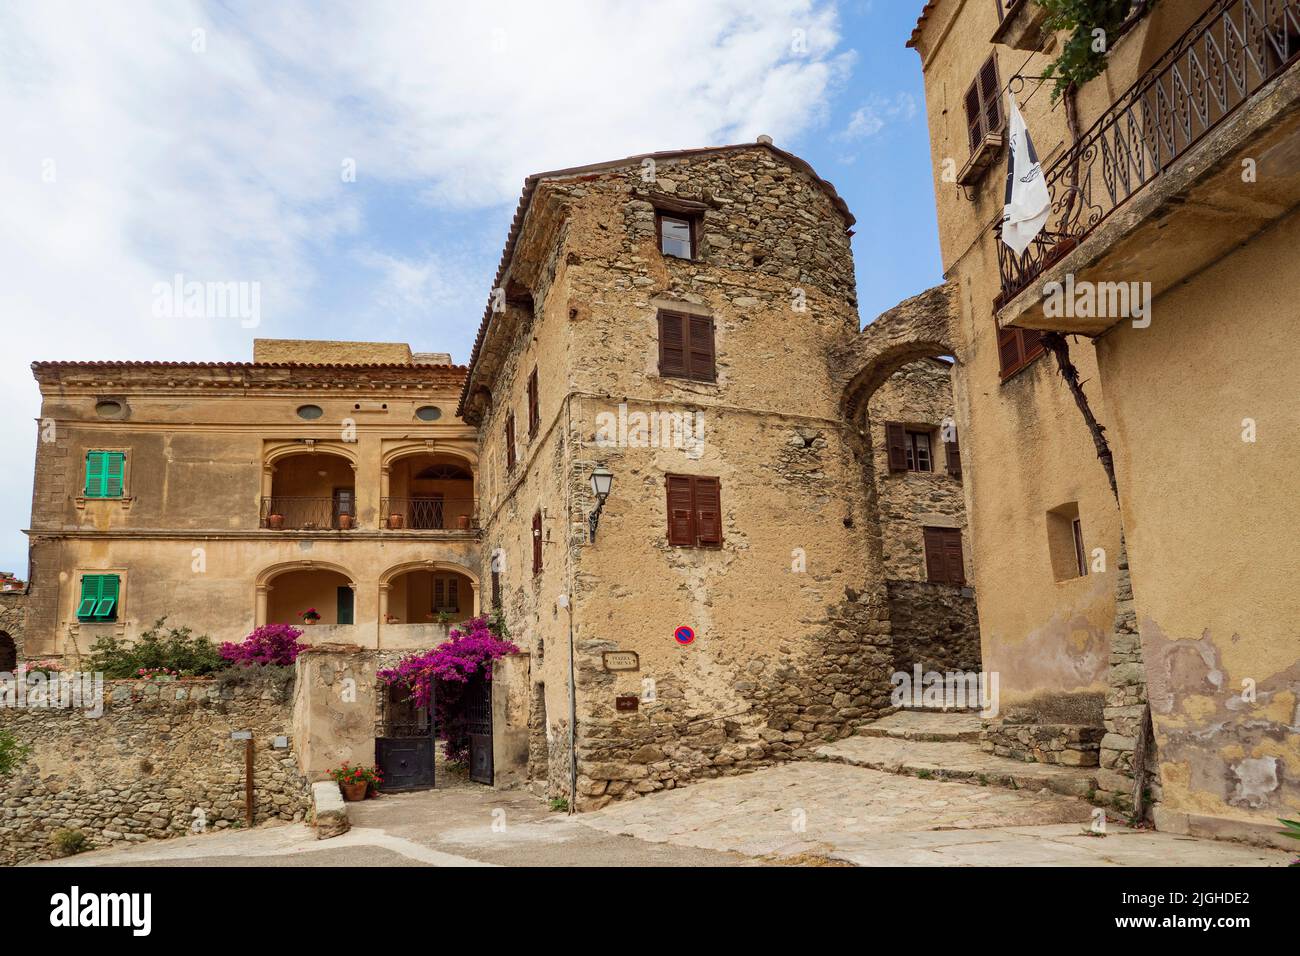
(8, 653)
(896, 385)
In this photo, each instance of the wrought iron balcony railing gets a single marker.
(293, 513)
(1226, 57)
(427, 514)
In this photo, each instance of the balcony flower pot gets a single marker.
(462, 522)
(345, 522)
(395, 521)
(354, 792)
(276, 522)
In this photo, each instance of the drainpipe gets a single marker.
(573, 684)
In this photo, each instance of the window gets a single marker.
(104, 474)
(428, 413)
(1017, 348)
(496, 590)
(952, 454)
(1065, 542)
(909, 449)
(686, 347)
(99, 594)
(534, 413)
(310, 412)
(984, 104)
(537, 544)
(694, 511)
(943, 558)
(918, 452)
(446, 594)
(510, 442)
(676, 234)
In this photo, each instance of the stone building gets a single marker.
(1174, 181)
(322, 475)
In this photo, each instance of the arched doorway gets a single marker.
(8, 653)
(287, 592)
(311, 491)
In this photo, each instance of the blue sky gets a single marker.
(210, 140)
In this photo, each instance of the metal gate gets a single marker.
(404, 754)
(478, 710)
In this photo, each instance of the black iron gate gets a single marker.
(404, 754)
(478, 710)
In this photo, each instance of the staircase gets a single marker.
(945, 746)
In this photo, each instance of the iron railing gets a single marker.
(427, 513)
(1221, 61)
(287, 512)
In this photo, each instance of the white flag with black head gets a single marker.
(1028, 201)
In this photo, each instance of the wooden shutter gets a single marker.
(534, 412)
(95, 469)
(896, 444)
(496, 590)
(1031, 343)
(453, 595)
(439, 599)
(936, 567)
(952, 455)
(700, 358)
(89, 596)
(1009, 357)
(672, 344)
(984, 104)
(108, 590)
(510, 441)
(114, 472)
(681, 510)
(708, 511)
(537, 543)
(956, 571)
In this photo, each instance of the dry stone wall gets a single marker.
(157, 763)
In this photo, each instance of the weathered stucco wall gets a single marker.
(1207, 483)
(160, 752)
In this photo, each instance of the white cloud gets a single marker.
(225, 164)
(877, 113)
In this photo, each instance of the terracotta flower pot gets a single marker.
(276, 522)
(345, 522)
(310, 620)
(395, 520)
(462, 522)
(354, 792)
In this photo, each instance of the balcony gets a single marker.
(427, 514)
(1171, 157)
(296, 513)
(1020, 24)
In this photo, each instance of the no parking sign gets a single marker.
(684, 635)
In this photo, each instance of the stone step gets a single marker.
(925, 725)
(958, 760)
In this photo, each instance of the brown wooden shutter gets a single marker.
(1009, 357)
(510, 442)
(952, 455)
(708, 511)
(1031, 343)
(537, 543)
(896, 444)
(496, 590)
(700, 356)
(991, 96)
(672, 344)
(534, 412)
(681, 511)
(936, 567)
(956, 571)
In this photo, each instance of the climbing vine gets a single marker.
(1094, 27)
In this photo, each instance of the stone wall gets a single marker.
(934, 625)
(13, 619)
(157, 763)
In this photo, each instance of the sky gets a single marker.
(360, 162)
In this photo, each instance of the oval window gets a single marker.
(108, 409)
(428, 413)
(310, 412)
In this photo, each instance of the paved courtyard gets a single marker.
(802, 813)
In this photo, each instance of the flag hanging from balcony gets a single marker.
(1028, 201)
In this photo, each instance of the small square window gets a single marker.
(676, 236)
(918, 452)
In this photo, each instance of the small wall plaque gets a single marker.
(241, 735)
(281, 742)
(627, 703)
(621, 661)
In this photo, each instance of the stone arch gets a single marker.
(8, 653)
(264, 581)
(407, 449)
(274, 453)
(390, 575)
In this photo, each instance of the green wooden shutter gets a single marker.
(114, 471)
(95, 468)
(108, 590)
(89, 596)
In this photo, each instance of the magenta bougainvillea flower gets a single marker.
(442, 674)
(269, 644)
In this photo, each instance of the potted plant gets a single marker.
(356, 782)
(275, 521)
(462, 522)
(309, 616)
(345, 522)
(395, 521)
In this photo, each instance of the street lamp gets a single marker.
(602, 479)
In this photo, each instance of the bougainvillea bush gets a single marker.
(443, 674)
(274, 644)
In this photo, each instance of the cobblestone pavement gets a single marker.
(847, 814)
